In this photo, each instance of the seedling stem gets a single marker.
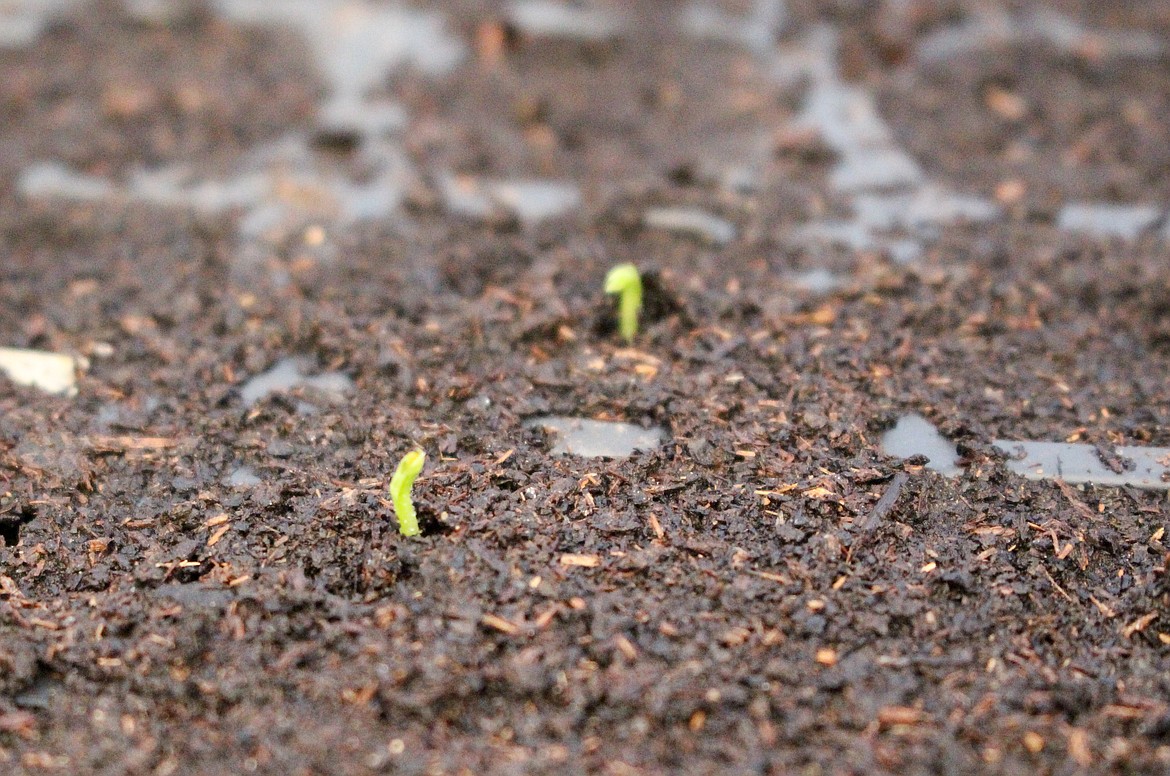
(625, 281)
(400, 484)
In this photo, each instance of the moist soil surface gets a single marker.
(766, 592)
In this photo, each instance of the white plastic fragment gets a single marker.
(290, 373)
(597, 438)
(242, 477)
(755, 31)
(817, 281)
(889, 190)
(53, 179)
(915, 435)
(357, 42)
(1144, 467)
(1079, 464)
(1103, 219)
(551, 19)
(692, 221)
(534, 201)
(285, 183)
(529, 200)
(22, 21)
(989, 28)
(49, 372)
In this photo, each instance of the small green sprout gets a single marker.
(400, 485)
(625, 281)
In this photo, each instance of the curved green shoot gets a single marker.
(625, 281)
(407, 472)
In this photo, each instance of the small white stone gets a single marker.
(50, 372)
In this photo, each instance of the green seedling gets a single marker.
(625, 281)
(400, 484)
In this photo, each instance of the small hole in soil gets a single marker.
(10, 525)
(683, 175)
(337, 140)
(9, 534)
(658, 303)
(430, 524)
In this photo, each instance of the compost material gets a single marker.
(200, 570)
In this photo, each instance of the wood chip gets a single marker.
(544, 618)
(1055, 586)
(21, 723)
(585, 561)
(886, 502)
(780, 491)
(899, 715)
(822, 316)
(1033, 742)
(116, 443)
(1104, 608)
(1119, 711)
(827, 657)
(359, 696)
(633, 354)
(219, 532)
(500, 624)
(1138, 625)
(734, 637)
(1006, 104)
(1078, 747)
(625, 647)
(8, 587)
(657, 528)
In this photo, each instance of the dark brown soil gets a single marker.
(733, 602)
(101, 91)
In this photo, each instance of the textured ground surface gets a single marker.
(198, 579)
